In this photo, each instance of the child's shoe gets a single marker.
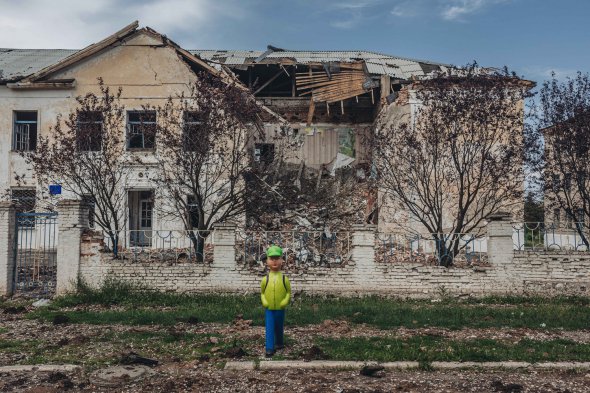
(269, 354)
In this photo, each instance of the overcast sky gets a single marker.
(532, 37)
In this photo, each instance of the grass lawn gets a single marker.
(101, 324)
(137, 307)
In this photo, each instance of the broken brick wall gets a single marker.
(543, 273)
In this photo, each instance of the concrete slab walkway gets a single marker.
(334, 364)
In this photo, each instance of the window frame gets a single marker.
(18, 146)
(141, 124)
(188, 144)
(92, 146)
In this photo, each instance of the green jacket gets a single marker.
(275, 294)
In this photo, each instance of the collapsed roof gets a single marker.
(16, 64)
(377, 63)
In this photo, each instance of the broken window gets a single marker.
(90, 202)
(191, 131)
(141, 129)
(346, 141)
(89, 131)
(24, 135)
(264, 152)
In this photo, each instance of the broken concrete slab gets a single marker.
(240, 366)
(119, 375)
(332, 364)
(563, 365)
(486, 365)
(400, 365)
(40, 368)
(317, 364)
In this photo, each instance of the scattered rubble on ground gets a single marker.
(41, 303)
(373, 370)
(195, 377)
(240, 339)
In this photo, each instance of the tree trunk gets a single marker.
(198, 241)
(444, 252)
(580, 230)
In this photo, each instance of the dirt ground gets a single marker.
(205, 373)
(191, 377)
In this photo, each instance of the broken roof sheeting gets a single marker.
(377, 63)
(18, 63)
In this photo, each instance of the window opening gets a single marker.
(24, 137)
(141, 130)
(192, 130)
(264, 152)
(89, 131)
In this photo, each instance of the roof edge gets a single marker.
(84, 53)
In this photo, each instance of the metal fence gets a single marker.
(301, 248)
(36, 253)
(173, 246)
(430, 249)
(538, 236)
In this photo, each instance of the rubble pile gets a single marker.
(305, 199)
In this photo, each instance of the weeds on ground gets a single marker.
(138, 306)
(427, 349)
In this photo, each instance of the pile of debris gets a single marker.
(300, 198)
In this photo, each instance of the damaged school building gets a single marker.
(325, 102)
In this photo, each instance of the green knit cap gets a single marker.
(274, 251)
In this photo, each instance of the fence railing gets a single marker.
(431, 249)
(36, 252)
(538, 236)
(160, 245)
(300, 248)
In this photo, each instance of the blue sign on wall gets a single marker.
(55, 189)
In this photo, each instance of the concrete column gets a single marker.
(72, 221)
(500, 243)
(224, 241)
(363, 253)
(225, 275)
(7, 239)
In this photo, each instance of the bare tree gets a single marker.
(84, 153)
(458, 159)
(564, 122)
(202, 155)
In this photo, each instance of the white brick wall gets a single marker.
(73, 219)
(80, 256)
(529, 272)
(7, 234)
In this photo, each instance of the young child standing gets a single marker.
(275, 294)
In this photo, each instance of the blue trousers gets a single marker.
(274, 321)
